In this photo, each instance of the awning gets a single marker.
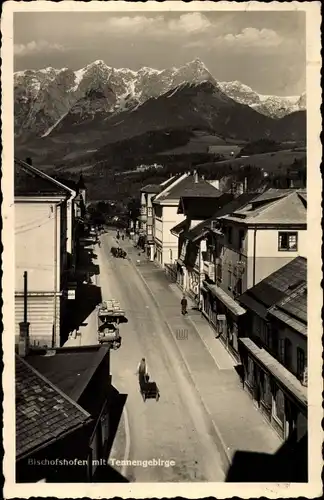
(286, 379)
(230, 303)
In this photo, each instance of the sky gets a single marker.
(264, 50)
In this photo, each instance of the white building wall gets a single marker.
(268, 257)
(170, 242)
(34, 245)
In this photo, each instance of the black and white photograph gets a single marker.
(161, 263)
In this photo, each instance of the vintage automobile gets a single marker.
(110, 315)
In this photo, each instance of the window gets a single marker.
(219, 272)
(238, 289)
(229, 279)
(281, 352)
(288, 353)
(149, 230)
(149, 211)
(241, 239)
(230, 235)
(279, 407)
(301, 363)
(287, 242)
(266, 393)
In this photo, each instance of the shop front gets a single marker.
(278, 393)
(225, 315)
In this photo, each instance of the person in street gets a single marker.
(142, 369)
(184, 304)
(123, 237)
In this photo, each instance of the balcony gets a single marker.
(209, 270)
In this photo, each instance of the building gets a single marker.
(145, 218)
(44, 247)
(274, 349)
(70, 388)
(188, 268)
(258, 235)
(166, 216)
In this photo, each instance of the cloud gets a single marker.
(190, 23)
(253, 37)
(154, 26)
(38, 47)
(249, 39)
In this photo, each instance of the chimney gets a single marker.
(23, 343)
(195, 173)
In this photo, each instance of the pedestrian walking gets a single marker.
(184, 304)
(142, 369)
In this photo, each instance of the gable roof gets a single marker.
(43, 412)
(30, 181)
(273, 207)
(70, 368)
(284, 290)
(185, 186)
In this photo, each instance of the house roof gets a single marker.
(43, 412)
(275, 206)
(202, 208)
(286, 289)
(29, 181)
(200, 229)
(179, 228)
(293, 310)
(151, 188)
(71, 368)
(185, 186)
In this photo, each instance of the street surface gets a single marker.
(203, 415)
(176, 427)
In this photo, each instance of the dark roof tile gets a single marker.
(286, 289)
(38, 419)
(29, 181)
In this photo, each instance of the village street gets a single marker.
(176, 427)
(196, 422)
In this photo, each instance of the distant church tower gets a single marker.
(82, 188)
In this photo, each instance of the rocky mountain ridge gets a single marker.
(43, 98)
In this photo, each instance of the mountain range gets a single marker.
(49, 102)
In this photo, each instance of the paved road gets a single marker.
(177, 427)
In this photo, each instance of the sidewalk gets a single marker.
(86, 326)
(238, 422)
